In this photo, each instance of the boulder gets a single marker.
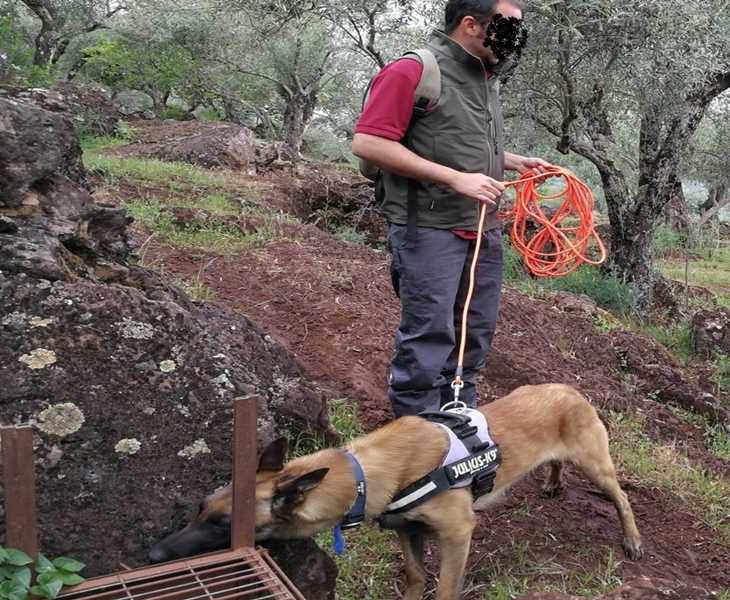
(128, 383)
(710, 331)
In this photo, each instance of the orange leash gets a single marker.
(559, 247)
(569, 243)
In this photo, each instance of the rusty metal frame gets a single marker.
(239, 573)
(21, 522)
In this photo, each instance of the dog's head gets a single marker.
(279, 493)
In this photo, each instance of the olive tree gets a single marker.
(59, 22)
(592, 67)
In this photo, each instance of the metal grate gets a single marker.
(243, 573)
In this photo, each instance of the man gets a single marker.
(455, 158)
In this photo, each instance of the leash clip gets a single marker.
(456, 405)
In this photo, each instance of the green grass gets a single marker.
(672, 471)
(705, 269)
(675, 336)
(515, 569)
(170, 185)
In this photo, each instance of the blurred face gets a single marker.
(503, 34)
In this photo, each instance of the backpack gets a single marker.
(426, 95)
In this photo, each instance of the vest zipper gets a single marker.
(491, 121)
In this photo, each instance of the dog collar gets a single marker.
(356, 515)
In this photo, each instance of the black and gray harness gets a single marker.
(472, 458)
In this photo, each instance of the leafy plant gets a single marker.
(16, 575)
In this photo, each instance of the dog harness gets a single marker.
(472, 458)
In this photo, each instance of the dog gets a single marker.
(311, 494)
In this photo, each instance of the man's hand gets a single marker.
(524, 164)
(477, 186)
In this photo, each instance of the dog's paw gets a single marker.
(551, 490)
(633, 550)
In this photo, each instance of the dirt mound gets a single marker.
(331, 303)
(93, 108)
(203, 143)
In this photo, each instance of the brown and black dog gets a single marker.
(311, 494)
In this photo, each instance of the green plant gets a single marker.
(16, 575)
(16, 59)
(209, 115)
(514, 265)
(667, 239)
(123, 131)
(721, 375)
(350, 235)
(609, 291)
(176, 113)
(717, 441)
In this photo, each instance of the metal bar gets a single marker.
(181, 581)
(288, 585)
(21, 523)
(245, 432)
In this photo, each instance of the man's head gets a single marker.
(475, 25)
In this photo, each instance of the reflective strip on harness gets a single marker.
(412, 497)
(472, 458)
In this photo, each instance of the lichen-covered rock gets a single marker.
(129, 384)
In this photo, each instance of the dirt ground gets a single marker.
(331, 303)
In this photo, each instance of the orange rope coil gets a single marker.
(569, 242)
(558, 248)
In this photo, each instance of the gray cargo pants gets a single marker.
(432, 281)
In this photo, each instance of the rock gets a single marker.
(309, 568)
(206, 144)
(710, 330)
(575, 302)
(275, 155)
(145, 372)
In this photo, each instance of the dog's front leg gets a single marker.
(412, 546)
(452, 518)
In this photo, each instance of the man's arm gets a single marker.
(395, 158)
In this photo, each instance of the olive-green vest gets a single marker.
(463, 132)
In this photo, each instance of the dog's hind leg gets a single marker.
(554, 481)
(412, 547)
(595, 460)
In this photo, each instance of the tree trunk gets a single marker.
(45, 41)
(631, 232)
(299, 110)
(675, 213)
(717, 198)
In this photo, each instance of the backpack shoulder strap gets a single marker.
(430, 85)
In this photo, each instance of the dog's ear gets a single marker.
(274, 455)
(290, 491)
